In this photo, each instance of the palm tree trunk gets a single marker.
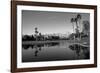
(80, 29)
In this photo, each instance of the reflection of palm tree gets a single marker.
(36, 52)
(76, 49)
(40, 48)
(37, 49)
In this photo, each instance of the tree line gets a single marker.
(41, 38)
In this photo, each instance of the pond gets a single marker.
(54, 51)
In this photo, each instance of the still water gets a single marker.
(54, 51)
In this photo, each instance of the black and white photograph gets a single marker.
(55, 36)
(52, 36)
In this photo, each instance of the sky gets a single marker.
(49, 22)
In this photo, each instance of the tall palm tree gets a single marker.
(72, 20)
(77, 27)
(36, 33)
(79, 16)
(78, 19)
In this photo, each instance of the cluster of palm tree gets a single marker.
(76, 21)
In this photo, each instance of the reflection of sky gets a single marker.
(48, 22)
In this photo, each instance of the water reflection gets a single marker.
(38, 47)
(53, 51)
(80, 49)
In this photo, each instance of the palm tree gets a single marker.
(77, 27)
(78, 19)
(36, 33)
(72, 20)
(79, 16)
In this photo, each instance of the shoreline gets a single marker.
(81, 42)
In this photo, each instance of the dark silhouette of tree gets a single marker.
(36, 30)
(86, 27)
(72, 20)
(79, 19)
(36, 33)
(76, 20)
